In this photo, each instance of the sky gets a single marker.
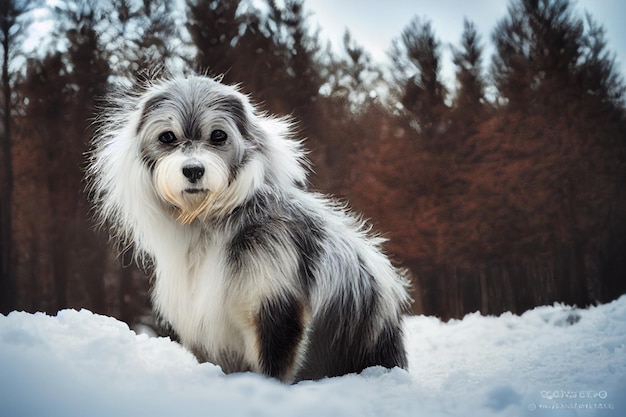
(374, 23)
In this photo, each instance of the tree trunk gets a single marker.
(7, 279)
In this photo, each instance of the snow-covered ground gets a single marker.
(551, 361)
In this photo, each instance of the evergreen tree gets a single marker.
(416, 59)
(59, 93)
(232, 41)
(298, 76)
(597, 72)
(140, 36)
(469, 102)
(538, 45)
(214, 29)
(353, 78)
(12, 14)
(563, 128)
(89, 64)
(42, 279)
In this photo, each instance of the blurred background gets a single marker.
(501, 189)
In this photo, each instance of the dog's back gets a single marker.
(354, 296)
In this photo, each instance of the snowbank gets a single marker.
(551, 361)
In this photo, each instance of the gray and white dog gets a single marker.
(252, 271)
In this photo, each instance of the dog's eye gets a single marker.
(218, 137)
(167, 137)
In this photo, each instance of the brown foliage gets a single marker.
(492, 206)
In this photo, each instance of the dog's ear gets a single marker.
(287, 164)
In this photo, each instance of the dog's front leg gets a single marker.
(281, 326)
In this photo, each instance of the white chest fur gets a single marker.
(192, 292)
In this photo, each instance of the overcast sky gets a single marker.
(374, 23)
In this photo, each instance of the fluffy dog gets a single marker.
(252, 271)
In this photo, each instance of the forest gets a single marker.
(502, 192)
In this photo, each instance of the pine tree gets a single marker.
(140, 36)
(214, 29)
(59, 94)
(538, 45)
(416, 59)
(561, 127)
(353, 78)
(41, 278)
(11, 29)
(469, 102)
(298, 76)
(235, 44)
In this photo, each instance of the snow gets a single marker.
(550, 361)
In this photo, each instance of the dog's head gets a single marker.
(205, 147)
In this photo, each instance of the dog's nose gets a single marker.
(193, 172)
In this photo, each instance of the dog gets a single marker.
(252, 271)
